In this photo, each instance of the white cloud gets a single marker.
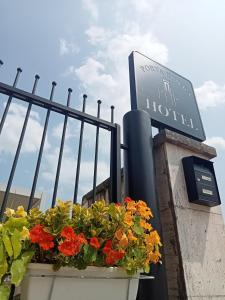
(96, 34)
(91, 7)
(71, 130)
(105, 75)
(66, 47)
(68, 169)
(12, 129)
(216, 141)
(210, 94)
(144, 6)
(92, 73)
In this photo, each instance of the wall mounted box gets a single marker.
(201, 181)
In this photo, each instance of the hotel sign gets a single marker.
(168, 97)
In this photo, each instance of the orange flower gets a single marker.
(128, 219)
(94, 243)
(123, 241)
(41, 237)
(144, 210)
(119, 233)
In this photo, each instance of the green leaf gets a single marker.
(2, 252)
(3, 268)
(137, 229)
(147, 268)
(27, 256)
(4, 292)
(16, 223)
(18, 269)
(90, 254)
(8, 245)
(16, 244)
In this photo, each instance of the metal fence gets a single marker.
(50, 106)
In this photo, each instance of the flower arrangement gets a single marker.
(75, 236)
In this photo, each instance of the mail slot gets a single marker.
(201, 181)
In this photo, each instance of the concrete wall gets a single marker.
(193, 235)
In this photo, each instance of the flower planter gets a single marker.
(93, 283)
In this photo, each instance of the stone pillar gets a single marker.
(193, 235)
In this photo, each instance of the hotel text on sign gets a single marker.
(168, 97)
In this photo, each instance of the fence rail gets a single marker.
(53, 106)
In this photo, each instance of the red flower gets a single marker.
(107, 247)
(117, 204)
(94, 243)
(81, 238)
(68, 233)
(113, 256)
(35, 233)
(69, 248)
(127, 200)
(41, 237)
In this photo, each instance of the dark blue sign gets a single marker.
(168, 97)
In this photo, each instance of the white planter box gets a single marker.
(93, 283)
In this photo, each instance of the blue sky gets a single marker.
(84, 45)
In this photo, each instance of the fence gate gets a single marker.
(49, 106)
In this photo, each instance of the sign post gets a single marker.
(167, 97)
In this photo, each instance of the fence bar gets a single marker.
(96, 153)
(61, 152)
(112, 114)
(6, 194)
(79, 153)
(41, 150)
(115, 166)
(54, 106)
(19, 70)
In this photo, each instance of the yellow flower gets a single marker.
(9, 212)
(128, 219)
(153, 257)
(143, 210)
(153, 238)
(145, 225)
(131, 206)
(131, 236)
(20, 212)
(25, 234)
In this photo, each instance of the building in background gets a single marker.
(20, 196)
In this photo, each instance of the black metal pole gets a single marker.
(96, 153)
(140, 184)
(19, 70)
(112, 113)
(61, 152)
(41, 150)
(115, 165)
(9, 184)
(79, 153)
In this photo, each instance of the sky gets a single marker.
(84, 45)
